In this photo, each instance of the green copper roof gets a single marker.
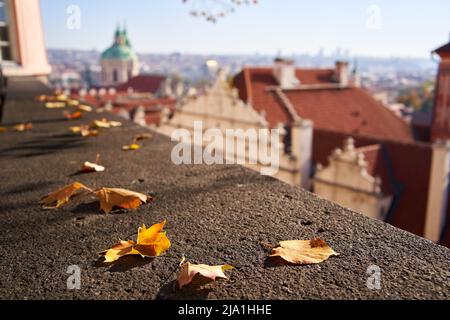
(121, 49)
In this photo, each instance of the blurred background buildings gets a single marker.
(368, 133)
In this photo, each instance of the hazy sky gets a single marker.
(377, 28)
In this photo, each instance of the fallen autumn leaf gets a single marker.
(189, 271)
(61, 196)
(91, 167)
(23, 127)
(116, 197)
(303, 251)
(131, 147)
(151, 242)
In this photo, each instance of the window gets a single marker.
(115, 76)
(5, 41)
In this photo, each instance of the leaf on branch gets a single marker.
(151, 242)
(59, 197)
(122, 198)
(131, 147)
(23, 127)
(189, 271)
(303, 251)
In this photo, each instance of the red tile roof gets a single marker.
(143, 83)
(444, 50)
(350, 110)
(410, 164)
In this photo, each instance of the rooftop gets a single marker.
(216, 214)
(350, 109)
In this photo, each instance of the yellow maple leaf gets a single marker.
(61, 196)
(105, 124)
(83, 107)
(84, 131)
(189, 271)
(73, 102)
(303, 251)
(55, 105)
(131, 147)
(116, 197)
(151, 242)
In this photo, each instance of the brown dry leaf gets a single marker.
(3, 129)
(55, 105)
(91, 167)
(115, 197)
(61, 196)
(73, 102)
(303, 251)
(105, 124)
(151, 242)
(85, 108)
(143, 136)
(42, 98)
(131, 147)
(73, 116)
(61, 97)
(189, 271)
(23, 127)
(84, 131)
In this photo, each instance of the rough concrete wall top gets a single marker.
(215, 214)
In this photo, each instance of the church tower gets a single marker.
(119, 62)
(440, 128)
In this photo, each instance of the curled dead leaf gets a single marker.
(151, 242)
(105, 124)
(303, 251)
(23, 127)
(143, 136)
(189, 271)
(73, 103)
(84, 131)
(73, 115)
(122, 198)
(55, 105)
(91, 167)
(85, 108)
(61, 196)
(131, 147)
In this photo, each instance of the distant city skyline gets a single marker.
(358, 27)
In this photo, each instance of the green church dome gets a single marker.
(121, 49)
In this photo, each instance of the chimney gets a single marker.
(284, 73)
(341, 73)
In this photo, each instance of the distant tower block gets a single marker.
(440, 128)
(119, 62)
